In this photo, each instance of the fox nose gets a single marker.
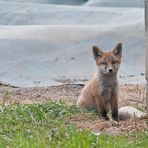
(110, 70)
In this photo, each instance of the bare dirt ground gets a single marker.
(133, 95)
(83, 121)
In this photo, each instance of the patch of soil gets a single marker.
(82, 121)
(66, 93)
(133, 95)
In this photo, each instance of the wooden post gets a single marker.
(146, 50)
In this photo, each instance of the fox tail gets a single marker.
(129, 112)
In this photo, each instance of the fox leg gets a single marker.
(101, 108)
(114, 107)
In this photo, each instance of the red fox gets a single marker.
(101, 92)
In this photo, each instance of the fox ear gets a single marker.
(117, 51)
(97, 52)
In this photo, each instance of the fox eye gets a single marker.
(114, 62)
(104, 63)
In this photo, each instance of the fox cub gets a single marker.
(101, 92)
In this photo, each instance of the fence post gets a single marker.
(146, 50)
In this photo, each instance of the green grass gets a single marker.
(46, 125)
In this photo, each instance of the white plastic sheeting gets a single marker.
(116, 3)
(63, 2)
(43, 44)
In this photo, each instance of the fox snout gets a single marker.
(110, 70)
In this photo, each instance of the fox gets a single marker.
(101, 92)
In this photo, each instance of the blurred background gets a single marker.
(49, 42)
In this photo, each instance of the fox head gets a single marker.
(108, 62)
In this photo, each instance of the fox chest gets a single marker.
(107, 87)
(105, 92)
